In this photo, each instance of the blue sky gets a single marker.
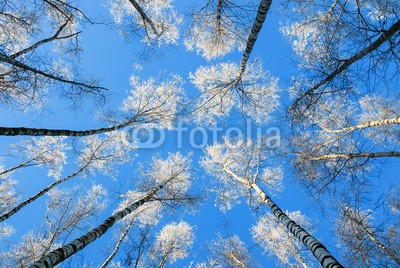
(112, 59)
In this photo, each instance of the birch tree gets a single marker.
(47, 151)
(219, 27)
(220, 85)
(340, 141)
(66, 212)
(168, 181)
(144, 218)
(339, 41)
(344, 117)
(27, 72)
(97, 155)
(221, 91)
(367, 244)
(225, 161)
(276, 241)
(343, 114)
(136, 229)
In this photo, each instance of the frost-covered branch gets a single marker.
(28, 72)
(385, 36)
(219, 27)
(155, 21)
(96, 155)
(67, 210)
(117, 245)
(364, 241)
(341, 139)
(229, 252)
(172, 243)
(254, 94)
(223, 159)
(171, 179)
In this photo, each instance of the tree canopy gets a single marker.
(213, 133)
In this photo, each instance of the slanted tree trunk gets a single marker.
(145, 17)
(376, 123)
(319, 251)
(88, 87)
(22, 131)
(386, 35)
(27, 163)
(371, 236)
(353, 155)
(258, 23)
(39, 194)
(57, 256)
(56, 36)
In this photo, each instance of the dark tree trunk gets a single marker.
(57, 256)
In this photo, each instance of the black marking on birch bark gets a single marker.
(57, 256)
(320, 252)
(354, 155)
(260, 18)
(22, 131)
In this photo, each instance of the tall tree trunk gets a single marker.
(320, 252)
(258, 23)
(386, 35)
(39, 194)
(353, 155)
(376, 123)
(22, 131)
(57, 256)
